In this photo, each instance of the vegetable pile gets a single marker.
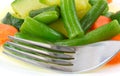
(64, 22)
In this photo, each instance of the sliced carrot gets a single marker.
(102, 20)
(5, 31)
(117, 37)
(109, 1)
(115, 60)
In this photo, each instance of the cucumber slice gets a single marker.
(23, 7)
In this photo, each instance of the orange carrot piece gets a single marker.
(117, 37)
(102, 20)
(115, 60)
(5, 31)
(109, 1)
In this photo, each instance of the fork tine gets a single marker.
(40, 64)
(38, 58)
(41, 52)
(49, 46)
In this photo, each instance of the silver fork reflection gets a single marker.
(62, 58)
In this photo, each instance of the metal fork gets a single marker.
(62, 58)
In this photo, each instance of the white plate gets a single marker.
(12, 67)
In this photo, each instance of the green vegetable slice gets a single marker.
(70, 18)
(33, 13)
(23, 7)
(30, 37)
(82, 6)
(47, 17)
(39, 29)
(14, 21)
(103, 33)
(93, 14)
(93, 2)
(116, 16)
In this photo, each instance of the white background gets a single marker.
(12, 67)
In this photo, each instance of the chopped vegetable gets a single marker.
(33, 13)
(59, 26)
(50, 2)
(5, 31)
(116, 16)
(102, 20)
(30, 37)
(92, 2)
(70, 19)
(106, 10)
(39, 29)
(117, 37)
(23, 7)
(93, 14)
(103, 33)
(108, 14)
(47, 17)
(115, 60)
(109, 1)
(11, 20)
(82, 6)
